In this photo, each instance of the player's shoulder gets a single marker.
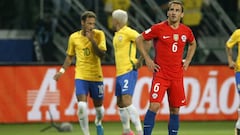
(160, 24)
(185, 26)
(237, 32)
(98, 31)
(75, 34)
(130, 30)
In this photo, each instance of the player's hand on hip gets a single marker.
(153, 67)
(185, 64)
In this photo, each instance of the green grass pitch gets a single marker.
(114, 128)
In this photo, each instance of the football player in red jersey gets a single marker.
(170, 37)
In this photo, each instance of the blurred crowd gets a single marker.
(24, 14)
(28, 14)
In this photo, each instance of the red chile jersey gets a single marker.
(169, 46)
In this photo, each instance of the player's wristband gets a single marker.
(62, 70)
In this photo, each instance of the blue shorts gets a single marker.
(237, 77)
(125, 84)
(95, 89)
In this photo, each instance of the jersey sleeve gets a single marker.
(70, 49)
(234, 38)
(191, 36)
(133, 35)
(150, 33)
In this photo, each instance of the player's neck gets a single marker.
(174, 25)
(83, 32)
(120, 27)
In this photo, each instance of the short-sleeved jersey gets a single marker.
(235, 40)
(169, 46)
(88, 64)
(125, 49)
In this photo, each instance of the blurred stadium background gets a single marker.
(49, 23)
(34, 34)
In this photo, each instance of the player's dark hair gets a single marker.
(88, 14)
(176, 2)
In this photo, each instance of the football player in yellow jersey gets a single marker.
(235, 40)
(126, 70)
(88, 46)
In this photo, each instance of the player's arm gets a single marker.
(142, 49)
(147, 47)
(229, 45)
(191, 50)
(66, 64)
(100, 53)
(231, 63)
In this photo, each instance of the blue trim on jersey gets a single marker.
(125, 84)
(95, 89)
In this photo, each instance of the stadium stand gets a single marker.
(212, 21)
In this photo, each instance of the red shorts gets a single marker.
(174, 89)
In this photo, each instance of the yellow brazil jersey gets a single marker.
(125, 49)
(235, 40)
(88, 64)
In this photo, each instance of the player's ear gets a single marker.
(82, 22)
(167, 13)
(182, 15)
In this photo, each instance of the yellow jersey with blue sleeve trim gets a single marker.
(88, 64)
(125, 50)
(235, 40)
